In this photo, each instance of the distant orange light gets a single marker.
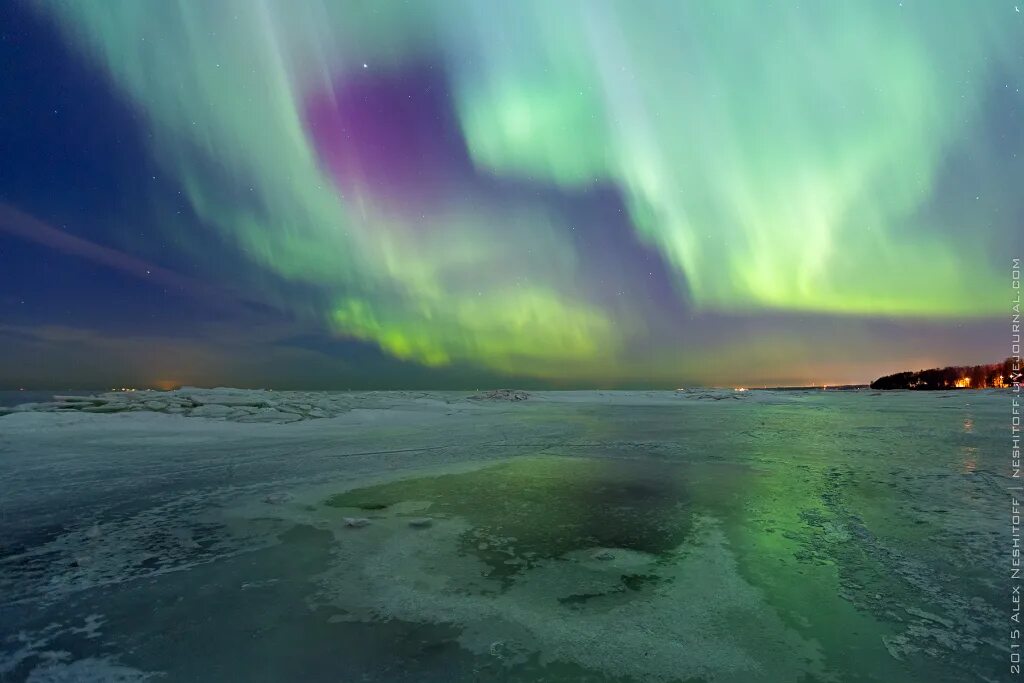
(963, 383)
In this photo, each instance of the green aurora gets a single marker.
(820, 160)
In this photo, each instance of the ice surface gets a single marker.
(694, 536)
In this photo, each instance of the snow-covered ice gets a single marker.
(703, 535)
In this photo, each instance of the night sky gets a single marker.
(465, 193)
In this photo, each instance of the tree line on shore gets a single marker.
(994, 375)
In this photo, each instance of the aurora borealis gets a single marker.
(583, 193)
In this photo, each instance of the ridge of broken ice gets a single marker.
(279, 407)
(236, 405)
(239, 405)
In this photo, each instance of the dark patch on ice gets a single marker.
(628, 583)
(533, 509)
(638, 582)
(579, 598)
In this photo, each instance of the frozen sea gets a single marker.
(698, 536)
